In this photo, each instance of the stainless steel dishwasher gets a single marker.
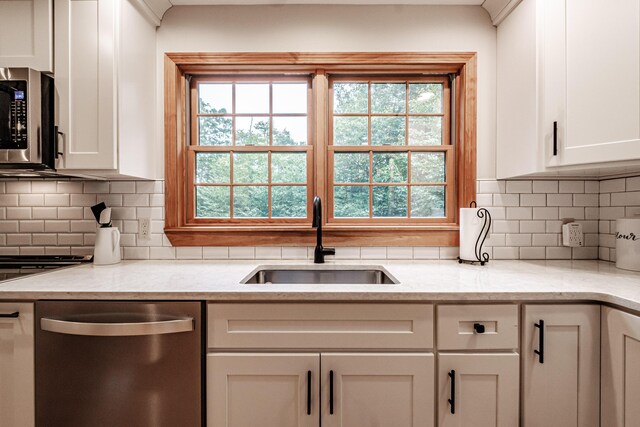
(118, 364)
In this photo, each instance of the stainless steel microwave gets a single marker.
(28, 137)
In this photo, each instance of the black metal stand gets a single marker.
(481, 257)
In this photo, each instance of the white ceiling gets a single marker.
(280, 2)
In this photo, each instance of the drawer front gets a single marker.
(457, 331)
(320, 326)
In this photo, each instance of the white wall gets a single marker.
(296, 28)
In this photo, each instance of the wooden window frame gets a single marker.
(177, 66)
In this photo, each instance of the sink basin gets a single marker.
(318, 274)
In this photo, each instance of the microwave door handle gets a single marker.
(126, 329)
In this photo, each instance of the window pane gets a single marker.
(289, 202)
(215, 130)
(350, 202)
(387, 130)
(250, 202)
(390, 167)
(390, 201)
(427, 167)
(425, 98)
(427, 202)
(250, 168)
(212, 168)
(388, 98)
(289, 167)
(351, 167)
(290, 131)
(350, 131)
(252, 98)
(425, 130)
(212, 202)
(252, 131)
(215, 98)
(290, 97)
(350, 98)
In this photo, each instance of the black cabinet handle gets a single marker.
(331, 392)
(452, 400)
(555, 138)
(56, 147)
(540, 351)
(13, 315)
(478, 328)
(308, 392)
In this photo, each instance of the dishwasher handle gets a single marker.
(125, 329)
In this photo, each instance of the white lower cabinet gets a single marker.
(290, 390)
(561, 366)
(478, 390)
(263, 389)
(370, 390)
(17, 394)
(620, 369)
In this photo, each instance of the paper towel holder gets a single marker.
(481, 257)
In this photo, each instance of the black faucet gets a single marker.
(320, 252)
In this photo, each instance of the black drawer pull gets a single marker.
(308, 392)
(452, 400)
(331, 392)
(555, 138)
(13, 315)
(540, 351)
(478, 328)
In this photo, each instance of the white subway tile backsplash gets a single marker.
(122, 187)
(237, 252)
(559, 200)
(519, 187)
(571, 187)
(533, 200)
(545, 187)
(400, 252)
(31, 200)
(19, 187)
(633, 184)
(425, 252)
(42, 215)
(19, 213)
(189, 252)
(519, 213)
(613, 185)
(373, 252)
(532, 226)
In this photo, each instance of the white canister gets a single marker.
(628, 243)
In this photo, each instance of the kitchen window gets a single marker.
(387, 141)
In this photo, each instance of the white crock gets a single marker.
(628, 243)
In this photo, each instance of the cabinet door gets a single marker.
(85, 82)
(370, 390)
(592, 80)
(17, 398)
(561, 389)
(620, 369)
(26, 33)
(269, 390)
(484, 389)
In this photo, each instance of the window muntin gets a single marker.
(390, 155)
(250, 156)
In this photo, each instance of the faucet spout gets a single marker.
(320, 251)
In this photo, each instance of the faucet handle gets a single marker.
(329, 251)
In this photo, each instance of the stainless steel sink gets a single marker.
(330, 274)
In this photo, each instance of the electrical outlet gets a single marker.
(572, 235)
(144, 228)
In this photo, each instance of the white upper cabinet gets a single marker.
(105, 82)
(568, 86)
(26, 34)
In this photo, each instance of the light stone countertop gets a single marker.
(419, 281)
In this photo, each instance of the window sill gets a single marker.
(435, 235)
